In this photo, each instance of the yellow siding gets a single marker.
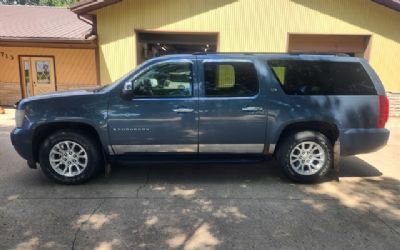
(249, 25)
(74, 68)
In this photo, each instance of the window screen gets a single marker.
(230, 79)
(299, 77)
(165, 80)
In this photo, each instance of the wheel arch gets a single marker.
(330, 130)
(43, 131)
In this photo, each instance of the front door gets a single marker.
(162, 115)
(37, 75)
(232, 107)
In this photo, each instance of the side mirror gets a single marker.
(127, 90)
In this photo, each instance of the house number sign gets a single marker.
(4, 55)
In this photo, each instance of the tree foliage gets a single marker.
(39, 2)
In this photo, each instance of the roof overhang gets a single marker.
(86, 6)
(393, 4)
(90, 42)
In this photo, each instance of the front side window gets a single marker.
(300, 77)
(230, 79)
(165, 80)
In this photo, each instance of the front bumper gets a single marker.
(359, 141)
(21, 139)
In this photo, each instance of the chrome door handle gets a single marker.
(252, 109)
(183, 110)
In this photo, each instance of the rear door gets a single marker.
(232, 106)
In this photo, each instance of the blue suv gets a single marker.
(305, 110)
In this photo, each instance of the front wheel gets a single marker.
(305, 156)
(70, 157)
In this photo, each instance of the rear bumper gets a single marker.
(359, 141)
(21, 139)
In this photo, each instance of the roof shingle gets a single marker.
(42, 23)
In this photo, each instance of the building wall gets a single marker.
(74, 68)
(249, 26)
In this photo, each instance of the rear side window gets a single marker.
(230, 79)
(299, 77)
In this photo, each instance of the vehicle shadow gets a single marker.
(184, 173)
(352, 166)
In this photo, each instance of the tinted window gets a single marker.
(322, 77)
(230, 79)
(165, 80)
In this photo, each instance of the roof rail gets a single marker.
(271, 53)
(227, 53)
(318, 53)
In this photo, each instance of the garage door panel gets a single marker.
(328, 43)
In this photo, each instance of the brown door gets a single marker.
(38, 75)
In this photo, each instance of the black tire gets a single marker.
(95, 159)
(291, 141)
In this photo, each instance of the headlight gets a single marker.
(19, 117)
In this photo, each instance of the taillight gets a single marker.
(383, 111)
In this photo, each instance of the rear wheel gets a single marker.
(70, 157)
(305, 156)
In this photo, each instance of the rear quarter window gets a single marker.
(299, 77)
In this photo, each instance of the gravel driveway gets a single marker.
(199, 206)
